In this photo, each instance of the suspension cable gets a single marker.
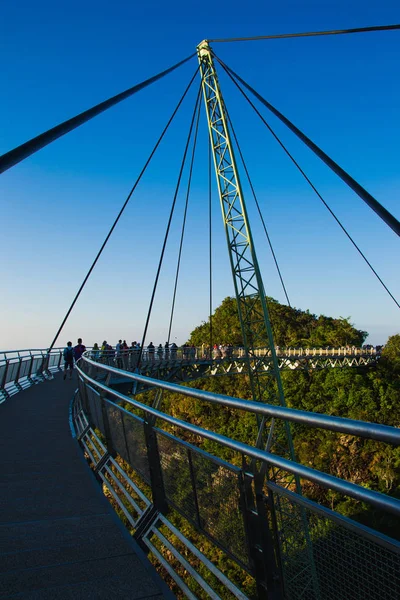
(258, 207)
(308, 34)
(122, 210)
(314, 188)
(380, 210)
(210, 242)
(167, 230)
(184, 221)
(13, 157)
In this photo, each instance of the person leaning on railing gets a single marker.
(103, 352)
(95, 354)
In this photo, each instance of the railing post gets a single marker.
(260, 540)
(4, 379)
(194, 487)
(44, 368)
(29, 377)
(16, 378)
(157, 482)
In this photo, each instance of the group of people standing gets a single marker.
(122, 350)
(72, 354)
(222, 351)
(123, 353)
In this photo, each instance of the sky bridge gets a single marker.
(60, 539)
(212, 515)
(19, 369)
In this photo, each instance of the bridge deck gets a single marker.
(59, 537)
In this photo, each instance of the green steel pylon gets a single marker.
(249, 287)
(250, 293)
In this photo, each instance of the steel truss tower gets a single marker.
(249, 287)
(251, 302)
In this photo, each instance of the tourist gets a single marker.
(104, 351)
(174, 349)
(68, 360)
(110, 354)
(79, 350)
(118, 353)
(95, 351)
(151, 350)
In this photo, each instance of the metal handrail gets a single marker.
(328, 481)
(375, 431)
(26, 367)
(29, 350)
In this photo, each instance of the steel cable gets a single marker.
(122, 210)
(13, 157)
(184, 222)
(309, 34)
(380, 210)
(168, 228)
(314, 188)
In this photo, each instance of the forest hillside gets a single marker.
(367, 393)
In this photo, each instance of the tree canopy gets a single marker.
(291, 327)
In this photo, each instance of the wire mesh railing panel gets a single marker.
(84, 366)
(91, 370)
(12, 372)
(218, 499)
(116, 430)
(37, 364)
(206, 492)
(25, 367)
(136, 445)
(349, 564)
(177, 478)
(82, 392)
(54, 360)
(95, 408)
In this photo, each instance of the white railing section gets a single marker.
(20, 369)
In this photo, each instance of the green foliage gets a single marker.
(291, 327)
(390, 361)
(368, 393)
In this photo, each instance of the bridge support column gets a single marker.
(157, 482)
(260, 539)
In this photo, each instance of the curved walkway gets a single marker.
(59, 536)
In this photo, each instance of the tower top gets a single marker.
(203, 48)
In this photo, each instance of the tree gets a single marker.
(291, 327)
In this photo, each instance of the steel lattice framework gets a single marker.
(250, 294)
(249, 287)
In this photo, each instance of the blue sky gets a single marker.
(57, 206)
